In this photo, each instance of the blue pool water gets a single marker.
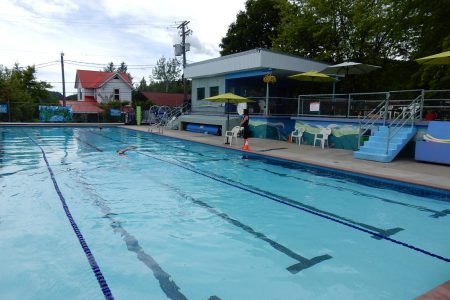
(179, 220)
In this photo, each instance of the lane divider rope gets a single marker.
(293, 205)
(90, 257)
(301, 208)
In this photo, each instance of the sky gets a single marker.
(92, 33)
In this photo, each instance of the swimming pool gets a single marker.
(180, 220)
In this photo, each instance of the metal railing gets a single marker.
(412, 112)
(164, 116)
(368, 123)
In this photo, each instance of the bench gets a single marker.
(436, 152)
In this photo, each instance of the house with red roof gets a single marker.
(165, 99)
(103, 87)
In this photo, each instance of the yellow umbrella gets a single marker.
(436, 59)
(313, 76)
(228, 98)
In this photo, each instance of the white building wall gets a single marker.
(244, 61)
(252, 60)
(289, 62)
(206, 83)
(106, 92)
(84, 92)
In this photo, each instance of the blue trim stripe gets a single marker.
(245, 74)
(91, 259)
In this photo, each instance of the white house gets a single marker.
(103, 87)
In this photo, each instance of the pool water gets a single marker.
(178, 220)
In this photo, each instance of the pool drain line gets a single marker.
(90, 257)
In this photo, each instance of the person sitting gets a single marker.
(122, 151)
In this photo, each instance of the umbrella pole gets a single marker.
(267, 99)
(228, 114)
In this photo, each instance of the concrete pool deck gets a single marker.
(404, 170)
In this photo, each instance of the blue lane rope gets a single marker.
(293, 205)
(301, 208)
(91, 259)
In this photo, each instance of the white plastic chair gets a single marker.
(230, 134)
(298, 134)
(322, 137)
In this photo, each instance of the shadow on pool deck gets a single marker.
(405, 170)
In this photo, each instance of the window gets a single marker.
(116, 94)
(213, 91)
(200, 93)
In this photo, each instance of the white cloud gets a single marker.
(49, 7)
(138, 32)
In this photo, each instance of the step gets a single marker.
(377, 144)
(385, 128)
(402, 134)
(381, 139)
(378, 150)
(371, 156)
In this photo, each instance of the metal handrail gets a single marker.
(167, 117)
(411, 112)
(369, 121)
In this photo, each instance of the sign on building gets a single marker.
(314, 106)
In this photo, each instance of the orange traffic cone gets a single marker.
(246, 147)
(289, 138)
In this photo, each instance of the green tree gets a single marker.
(109, 68)
(23, 91)
(167, 72)
(142, 85)
(339, 30)
(433, 22)
(256, 27)
(123, 68)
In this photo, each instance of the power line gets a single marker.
(104, 64)
(49, 65)
(84, 62)
(41, 19)
(53, 61)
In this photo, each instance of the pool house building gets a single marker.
(282, 107)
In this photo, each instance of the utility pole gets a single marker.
(63, 80)
(184, 33)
